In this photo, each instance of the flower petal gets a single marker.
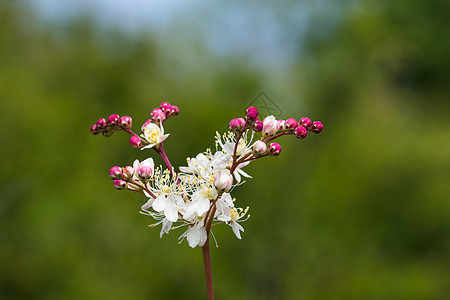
(159, 204)
(171, 212)
(148, 204)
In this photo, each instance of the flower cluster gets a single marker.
(198, 196)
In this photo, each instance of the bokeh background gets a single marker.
(361, 211)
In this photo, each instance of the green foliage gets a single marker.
(358, 212)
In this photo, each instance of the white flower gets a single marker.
(154, 135)
(195, 235)
(199, 204)
(236, 215)
(244, 148)
(223, 206)
(168, 198)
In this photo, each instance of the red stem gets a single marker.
(207, 265)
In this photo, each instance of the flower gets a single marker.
(236, 215)
(270, 126)
(223, 180)
(154, 135)
(196, 234)
(168, 197)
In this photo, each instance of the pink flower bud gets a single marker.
(135, 141)
(270, 126)
(317, 127)
(126, 122)
(301, 132)
(145, 172)
(101, 123)
(223, 180)
(291, 124)
(176, 110)
(259, 148)
(158, 115)
(237, 124)
(94, 129)
(282, 125)
(113, 120)
(274, 149)
(127, 172)
(120, 184)
(164, 104)
(252, 113)
(115, 172)
(168, 110)
(258, 126)
(305, 122)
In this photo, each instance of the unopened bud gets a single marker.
(252, 113)
(120, 184)
(115, 172)
(281, 125)
(126, 122)
(158, 115)
(135, 141)
(317, 127)
(270, 126)
(223, 180)
(305, 122)
(94, 129)
(145, 172)
(176, 110)
(101, 123)
(291, 124)
(259, 148)
(113, 120)
(274, 149)
(301, 132)
(127, 172)
(168, 110)
(237, 124)
(258, 126)
(163, 105)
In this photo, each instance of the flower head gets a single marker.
(154, 135)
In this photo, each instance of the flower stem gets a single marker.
(207, 265)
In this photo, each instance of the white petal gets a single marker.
(166, 225)
(203, 236)
(193, 236)
(226, 197)
(237, 175)
(237, 228)
(202, 206)
(163, 138)
(148, 146)
(148, 204)
(148, 163)
(159, 204)
(229, 148)
(136, 166)
(239, 170)
(185, 169)
(171, 212)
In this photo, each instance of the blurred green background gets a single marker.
(361, 211)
